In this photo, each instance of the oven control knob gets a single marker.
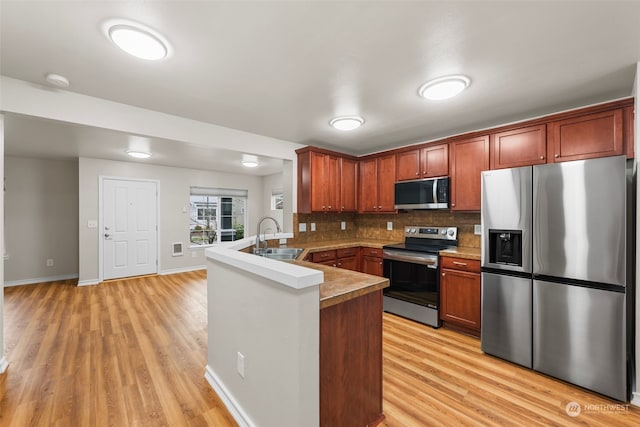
(451, 232)
(413, 231)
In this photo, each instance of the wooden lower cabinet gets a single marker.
(460, 294)
(371, 262)
(349, 263)
(351, 362)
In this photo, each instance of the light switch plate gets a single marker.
(240, 364)
(343, 225)
(92, 224)
(477, 229)
(313, 226)
(302, 227)
(390, 225)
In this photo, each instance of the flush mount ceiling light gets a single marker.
(249, 161)
(347, 122)
(57, 80)
(444, 87)
(138, 41)
(138, 154)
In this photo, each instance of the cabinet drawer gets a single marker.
(347, 252)
(323, 256)
(372, 252)
(461, 264)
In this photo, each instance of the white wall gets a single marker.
(276, 328)
(3, 360)
(174, 188)
(41, 215)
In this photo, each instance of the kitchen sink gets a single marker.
(279, 253)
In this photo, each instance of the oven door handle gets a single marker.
(430, 261)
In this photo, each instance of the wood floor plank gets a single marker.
(132, 353)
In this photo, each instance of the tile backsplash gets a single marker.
(374, 226)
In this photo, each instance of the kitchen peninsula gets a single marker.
(294, 343)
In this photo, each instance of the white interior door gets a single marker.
(130, 233)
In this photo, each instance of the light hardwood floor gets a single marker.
(132, 353)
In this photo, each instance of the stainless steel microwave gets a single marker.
(431, 193)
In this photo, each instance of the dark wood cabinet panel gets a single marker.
(372, 265)
(321, 175)
(408, 164)
(460, 299)
(435, 161)
(468, 159)
(351, 362)
(586, 137)
(386, 183)
(367, 192)
(348, 185)
(348, 263)
(629, 123)
(519, 147)
(377, 177)
(426, 162)
(323, 256)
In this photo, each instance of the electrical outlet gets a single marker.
(477, 229)
(283, 241)
(302, 227)
(313, 226)
(389, 225)
(241, 364)
(343, 225)
(49, 262)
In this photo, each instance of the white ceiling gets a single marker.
(284, 69)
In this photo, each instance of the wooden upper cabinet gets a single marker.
(320, 182)
(434, 161)
(519, 147)
(377, 179)
(386, 183)
(368, 178)
(348, 185)
(586, 137)
(408, 165)
(628, 132)
(468, 159)
(427, 162)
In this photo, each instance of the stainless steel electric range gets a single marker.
(413, 271)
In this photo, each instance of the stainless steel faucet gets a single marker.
(257, 248)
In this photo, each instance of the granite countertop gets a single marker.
(339, 244)
(341, 285)
(462, 252)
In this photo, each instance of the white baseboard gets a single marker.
(39, 280)
(88, 282)
(635, 399)
(3, 365)
(232, 405)
(183, 270)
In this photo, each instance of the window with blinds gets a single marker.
(216, 215)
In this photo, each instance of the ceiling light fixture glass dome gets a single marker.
(138, 154)
(138, 42)
(347, 122)
(444, 87)
(249, 161)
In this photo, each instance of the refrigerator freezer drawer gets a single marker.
(506, 317)
(579, 336)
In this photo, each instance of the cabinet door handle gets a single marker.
(541, 157)
(443, 274)
(424, 173)
(453, 204)
(329, 207)
(417, 173)
(380, 207)
(464, 264)
(557, 155)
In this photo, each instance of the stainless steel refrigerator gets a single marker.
(556, 276)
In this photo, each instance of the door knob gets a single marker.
(107, 236)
